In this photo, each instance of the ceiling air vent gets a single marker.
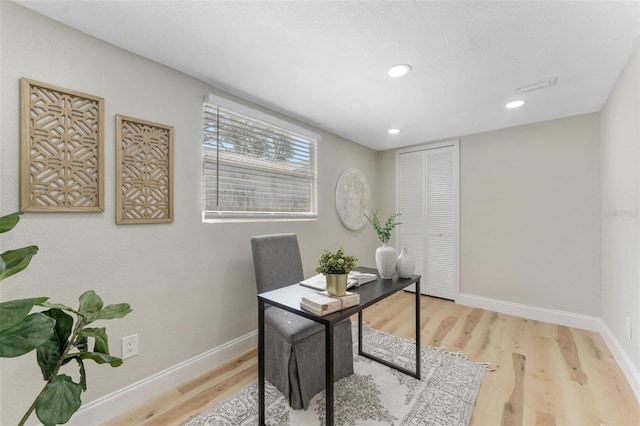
(537, 86)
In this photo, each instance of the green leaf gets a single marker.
(90, 305)
(14, 311)
(99, 358)
(58, 401)
(100, 336)
(46, 304)
(25, 336)
(9, 221)
(64, 325)
(118, 310)
(82, 343)
(83, 374)
(16, 260)
(49, 353)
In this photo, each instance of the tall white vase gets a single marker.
(405, 264)
(386, 261)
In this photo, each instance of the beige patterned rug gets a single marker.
(374, 394)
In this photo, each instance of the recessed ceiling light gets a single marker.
(399, 70)
(394, 131)
(515, 104)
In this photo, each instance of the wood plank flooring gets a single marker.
(546, 375)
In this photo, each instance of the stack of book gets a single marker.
(322, 303)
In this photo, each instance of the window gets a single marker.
(255, 166)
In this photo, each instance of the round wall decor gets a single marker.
(353, 199)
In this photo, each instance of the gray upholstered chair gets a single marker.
(294, 345)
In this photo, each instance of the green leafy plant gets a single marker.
(56, 336)
(14, 261)
(383, 231)
(335, 263)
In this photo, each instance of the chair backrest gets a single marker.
(276, 260)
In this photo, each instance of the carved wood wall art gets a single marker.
(144, 158)
(62, 152)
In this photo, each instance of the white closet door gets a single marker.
(412, 206)
(441, 225)
(428, 189)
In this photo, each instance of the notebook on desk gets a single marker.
(355, 279)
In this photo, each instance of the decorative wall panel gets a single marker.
(62, 152)
(144, 156)
(353, 199)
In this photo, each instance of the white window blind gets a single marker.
(256, 166)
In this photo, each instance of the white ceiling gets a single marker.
(325, 62)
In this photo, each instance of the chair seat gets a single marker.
(293, 328)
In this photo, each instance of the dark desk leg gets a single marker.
(418, 329)
(406, 371)
(360, 333)
(261, 417)
(328, 347)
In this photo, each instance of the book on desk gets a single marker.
(322, 303)
(355, 279)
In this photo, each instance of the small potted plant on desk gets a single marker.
(336, 267)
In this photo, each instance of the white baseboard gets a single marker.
(129, 397)
(569, 319)
(624, 361)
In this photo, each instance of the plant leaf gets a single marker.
(9, 221)
(100, 336)
(14, 311)
(83, 372)
(49, 353)
(58, 401)
(118, 310)
(16, 260)
(99, 358)
(90, 305)
(25, 336)
(46, 304)
(82, 343)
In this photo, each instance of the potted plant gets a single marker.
(55, 335)
(336, 267)
(385, 255)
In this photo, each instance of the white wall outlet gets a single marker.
(129, 346)
(629, 335)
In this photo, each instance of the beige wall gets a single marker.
(190, 284)
(620, 162)
(530, 214)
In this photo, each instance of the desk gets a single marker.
(288, 298)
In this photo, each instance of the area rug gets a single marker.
(374, 394)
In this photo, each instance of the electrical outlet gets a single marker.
(129, 346)
(629, 335)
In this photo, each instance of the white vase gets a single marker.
(405, 264)
(386, 261)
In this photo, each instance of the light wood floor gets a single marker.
(546, 374)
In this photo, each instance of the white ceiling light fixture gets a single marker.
(394, 131)
(516, 104)
(399, 70)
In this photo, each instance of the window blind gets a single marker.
(253, 169)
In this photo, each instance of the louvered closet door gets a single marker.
(412, 233)
(428, 200)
